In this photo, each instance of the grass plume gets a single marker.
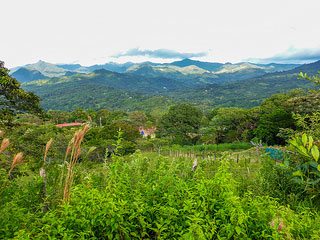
(75, 153)
(47, 149)
(16, 160)
(4, 144)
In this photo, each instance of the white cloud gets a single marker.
(86, 31)
(292, 55)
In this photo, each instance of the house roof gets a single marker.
(68, 124)
(147, 131)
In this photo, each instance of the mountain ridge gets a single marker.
(69, 92)
(210, 69)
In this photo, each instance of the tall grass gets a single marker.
(75, 153)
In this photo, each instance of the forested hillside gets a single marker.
(251, 92)
(105, 89)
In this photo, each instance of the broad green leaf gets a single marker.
(304, 139)
(318, 168)
(303, 151)
(293, 142)
(315, 153)
(282, 165)
(238, 230)
(297, 173)
(310, 143)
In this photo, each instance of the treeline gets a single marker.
(276, 120)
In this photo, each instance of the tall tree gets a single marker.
(275, 114)
(181, 123)
(137, 118)
(233, 124)
(14, 99)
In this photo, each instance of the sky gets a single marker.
(99, 31)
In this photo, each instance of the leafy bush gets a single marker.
(304, 169)
(159, 197)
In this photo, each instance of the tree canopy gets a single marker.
(13, 99)
(182, 123)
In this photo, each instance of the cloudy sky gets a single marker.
(98, 31)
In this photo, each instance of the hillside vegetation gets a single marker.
(176, 173)
(104, 89)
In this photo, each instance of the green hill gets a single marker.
(27, 75)
(103, 89)
(248, 93)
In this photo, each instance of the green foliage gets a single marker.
(148, 196)
(58, 116)
(315, 79)
(107, 137)
(222, 147)
(308, 123)
(233, 124)
(158, 197)
(305, 147)
(31, 140)
(305, 170)
(137, 118)
(306, 104)
(79, 115)
(181, 123)
(275, 114)
(14, 99)
(117, 145)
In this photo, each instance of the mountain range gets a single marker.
(187, 69)
(147, 86)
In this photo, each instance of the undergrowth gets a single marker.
(148, 196)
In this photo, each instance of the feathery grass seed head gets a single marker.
(16, 160)
(4, 144)
(48, 145)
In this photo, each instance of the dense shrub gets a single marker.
(154, 197)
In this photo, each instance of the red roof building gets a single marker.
(148, 132)
(68, 124)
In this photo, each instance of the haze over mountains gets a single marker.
(146, 85)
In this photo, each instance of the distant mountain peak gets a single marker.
(27, 75)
